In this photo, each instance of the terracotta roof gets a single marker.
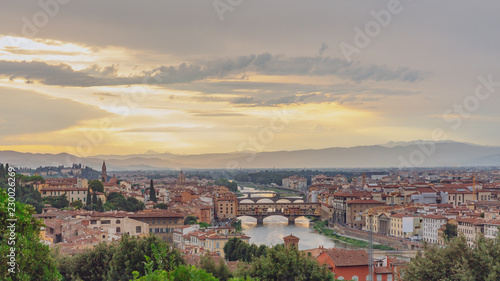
(383, 270)
(343, 257)
(368, 201)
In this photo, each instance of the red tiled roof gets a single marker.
(367, 201)
(343, 257)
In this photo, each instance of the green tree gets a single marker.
(57, 202)
(450, 231)
(94, 198)
(190, 220)
(99, 207)
(152, 192)
(32, 258)
(96, 185)
(76, 204)
(287, 263)
(220, 270)
(456, 261)
(89, 198)
(160, 206)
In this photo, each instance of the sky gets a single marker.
(193, 77)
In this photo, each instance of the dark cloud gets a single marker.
(266, 64)
(40, 113)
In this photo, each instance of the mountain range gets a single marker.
(393, 154)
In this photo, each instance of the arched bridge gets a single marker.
(289, 210)
(275, 197)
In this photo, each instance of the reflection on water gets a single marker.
(276, 227)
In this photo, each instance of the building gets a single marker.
(161, 222)
(431, 225)
(116, 224)
(470, 228)
(104, 174)
(339, 203)
(295, 182)
(356, 208)
(71, 193)
(405, 225)
(291, 240)
(226, 206)
(346, 264)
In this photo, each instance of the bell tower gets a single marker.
(104, 174)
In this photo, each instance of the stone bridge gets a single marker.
(288, 210)
(275, 197)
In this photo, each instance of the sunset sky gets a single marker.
(192, 77)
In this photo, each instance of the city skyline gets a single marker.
(194, 78)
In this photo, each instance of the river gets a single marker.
(276, 227)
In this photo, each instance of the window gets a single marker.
(389, 277)
(105, 221)
(137, 229)
(118, 221)
(355, 278)
(118, 230)
(379, 277)
(217, 245)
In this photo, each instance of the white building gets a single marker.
(295, 182)
(431, 225)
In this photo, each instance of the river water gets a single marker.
(276, 227)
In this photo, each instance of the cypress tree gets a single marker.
(88, 197)
(152, 192)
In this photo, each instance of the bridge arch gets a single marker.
(246, 201)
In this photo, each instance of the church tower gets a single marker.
(104, 175)
(182, 177)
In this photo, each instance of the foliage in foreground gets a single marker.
(32, 258)
(286, 263)
(457, 261)
(117, 261)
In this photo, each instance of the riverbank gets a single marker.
(282, 191)
(322, 228)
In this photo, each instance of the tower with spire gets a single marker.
(104, 174)
(182, 177)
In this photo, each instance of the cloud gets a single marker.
(26, 112)
(265, 64)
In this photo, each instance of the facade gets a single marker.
(470, 227)
(346, 264)
(356, 208)
(295, 182)
(226, 206)
(161, 222)
(117, 225)
(71, 193)
(431, 225)
(405, 225)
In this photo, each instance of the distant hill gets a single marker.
(417, 153)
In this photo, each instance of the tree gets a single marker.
(96, 185)
(89, 198)
(57, 202)
(219, 271)
(456, 261)
(117, 260)
(161, 206)
(99, 207)
(450, 231)
(94, 198)
(32, 258)
(152, 192)
(287, 263)
(190, 220)
(76, 204)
